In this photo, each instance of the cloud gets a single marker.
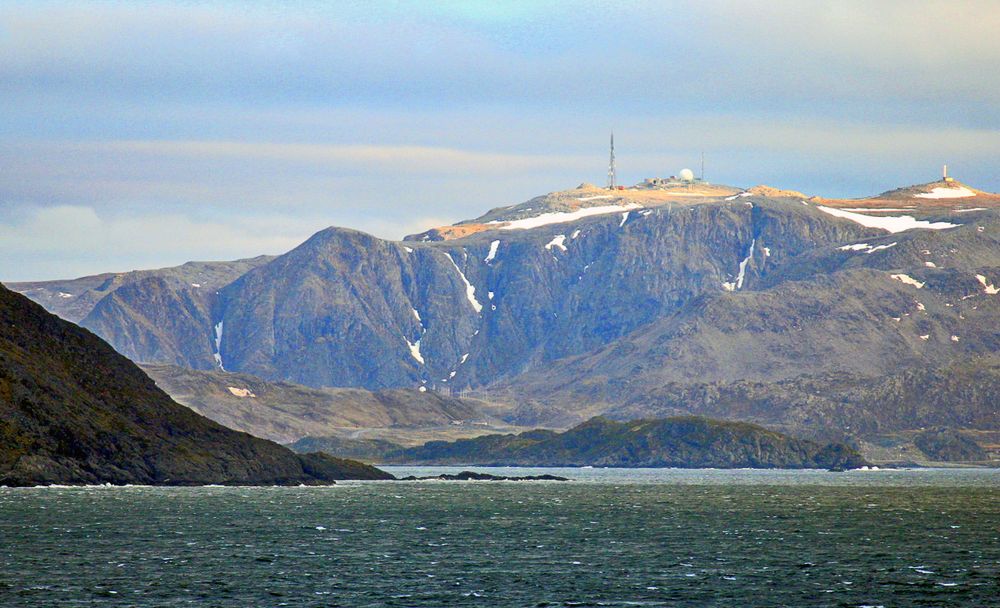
(39, 243)
(251, 125)
(643, 56)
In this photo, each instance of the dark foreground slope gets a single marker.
(72, 410)
(686, 441)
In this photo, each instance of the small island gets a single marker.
(680, 442)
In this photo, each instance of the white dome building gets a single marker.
(686, 175)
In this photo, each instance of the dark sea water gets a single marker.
(611, 538)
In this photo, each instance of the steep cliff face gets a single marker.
(588, 299)
(155, 320)
(346, 309)
(925, 299)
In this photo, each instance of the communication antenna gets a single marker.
(945, 172)
(612, 182)
(702, 165)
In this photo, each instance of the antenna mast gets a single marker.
(702, 165)
(612, 182)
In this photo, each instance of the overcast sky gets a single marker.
(137, 135)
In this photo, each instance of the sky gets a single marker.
(146, 134)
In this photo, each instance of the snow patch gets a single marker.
(960, 192)
(557, 241)
(470, 290)
(494, 246)
(968, 210)
(874, 209)
(196, 285)
(417, 316)
(64, 295)
(415, 350)
(865, 247)
(408, 250)
(925, 337)
(489, 294)
(955, 338)
(559, 217)
(465, 358)
(930, 264)
(594, 198)
(888, 223)
(988, 287)
(422, 389)
(738, 284)
(624, 219)
(907, 279)
(241, 392)
(575, 234)
(218, 345)
(736, 196)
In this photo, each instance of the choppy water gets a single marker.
(614, 538)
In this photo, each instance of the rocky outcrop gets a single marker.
(949, 445)
(689, 442)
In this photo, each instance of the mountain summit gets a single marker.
(591, 299)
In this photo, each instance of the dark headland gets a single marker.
(74, 411)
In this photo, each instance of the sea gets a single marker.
(609, 537)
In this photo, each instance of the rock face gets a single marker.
(147, 315)
(588, 300)
(689, 442)
(949, 445)
(74, 411)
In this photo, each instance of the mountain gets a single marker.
(839, 406)
(147, 315)
(688, 441)
(74, 299)
(590, 300)
(286, 412)
(74, 411)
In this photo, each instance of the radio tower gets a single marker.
(612, 182)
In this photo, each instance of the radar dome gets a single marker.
(686, 175)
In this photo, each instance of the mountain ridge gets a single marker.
(561, 311)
